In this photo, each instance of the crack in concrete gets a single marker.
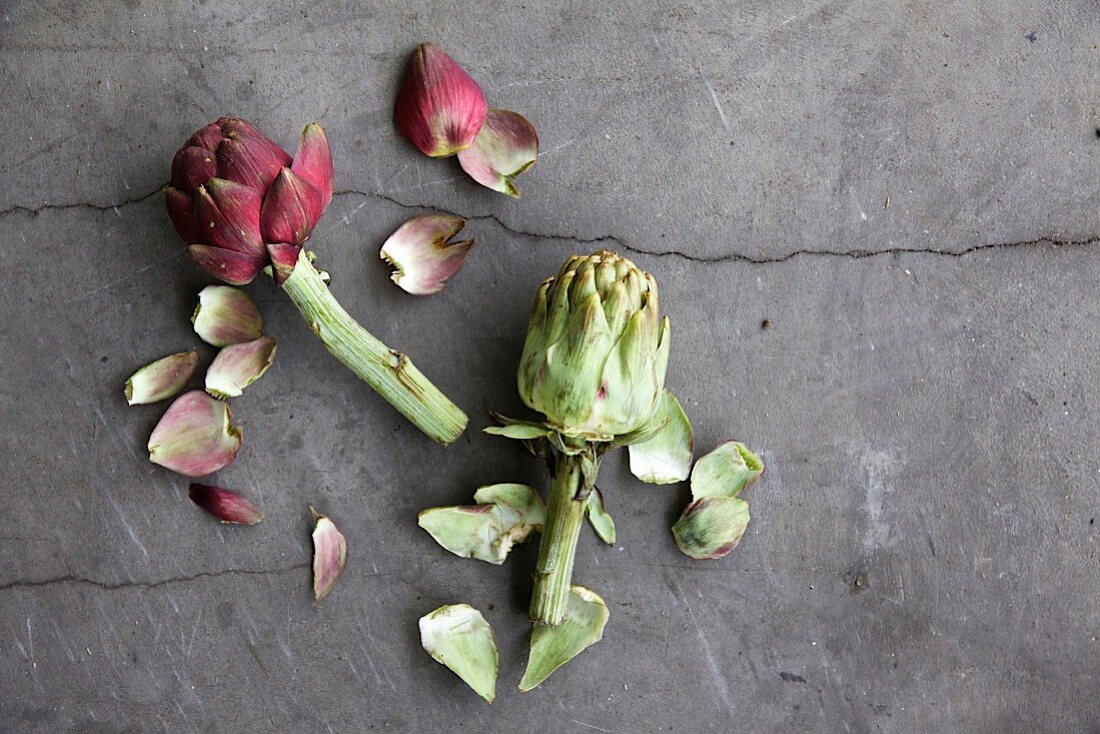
(34, 211)
(736, 256)
(612, 240)
(109, 586)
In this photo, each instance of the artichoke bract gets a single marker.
(597, 349)
(243, 205)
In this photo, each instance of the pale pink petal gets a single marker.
(422, 255)
(506, 147)
(195, 437)
(330, 554)
(161, 379)
(226, 315)
(239, 365)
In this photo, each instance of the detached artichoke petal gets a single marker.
(458, 636)
(665, 457)
(239, 365)
(439, 108)
(711, 527)
(506, 146)
(725, 471)
(330, 555)
(226, 315)
(225, 504)
(161, 379)
(422, 255)
(520, 497)
(506, 514)
(195, 437)
(598, 518)
(552, 646)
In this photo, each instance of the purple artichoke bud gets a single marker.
(234, 193)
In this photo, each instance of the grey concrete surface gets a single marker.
(905, 191)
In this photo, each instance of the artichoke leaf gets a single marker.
(506, 514)
(458, 636)
(725, 471)
(601, 522)
(552, 646)
(665, 456)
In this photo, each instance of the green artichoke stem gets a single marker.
(558, 548)
(390, 373)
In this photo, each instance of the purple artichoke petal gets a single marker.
(225, 504)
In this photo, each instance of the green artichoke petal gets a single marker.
(458, 636)
(598, 518)
(519, 431)
(663, 350)
(665, 458)
(616, 307)
(552, 646)
(725, 471)
(575, 367)
(506, 514)
(711, 527)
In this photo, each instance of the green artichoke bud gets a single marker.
(596, 351)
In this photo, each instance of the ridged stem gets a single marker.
(389, 372)
(558, 548)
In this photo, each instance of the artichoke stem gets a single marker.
(558, 549)
(391, 374)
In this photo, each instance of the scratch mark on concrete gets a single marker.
(191, 642)
(720, 683)
(717, 104)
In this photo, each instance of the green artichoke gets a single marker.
(596, 350)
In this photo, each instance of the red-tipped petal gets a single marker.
(250, 160)
(181, 212)
(422, 255)
(227, 214)
(235, 268)
(506, 147)
(330, 554)
(291, 208)
(440, 108)
(192, 167)
(283, 259)
(313, 161)
(225, 504)
(195, 437)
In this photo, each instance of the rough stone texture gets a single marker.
(904, 192)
